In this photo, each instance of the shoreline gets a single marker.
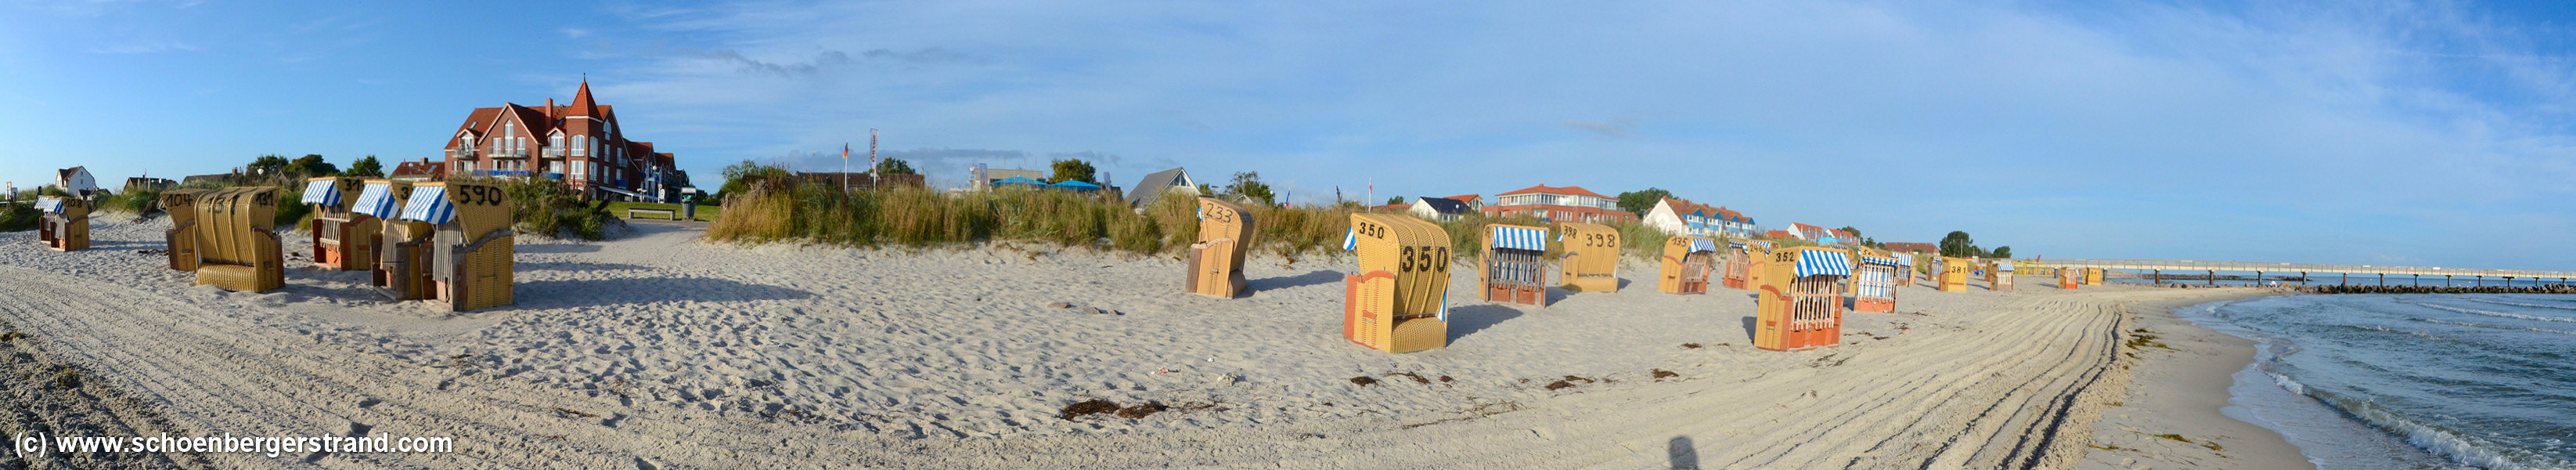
(2175, 411)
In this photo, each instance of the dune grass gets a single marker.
(19, 216)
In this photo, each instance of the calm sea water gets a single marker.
(2410, 381)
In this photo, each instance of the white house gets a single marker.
(76, 180)
(1438, 208)
(1682, 217)
(1152, 187)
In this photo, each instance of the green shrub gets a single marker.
(19, 216)
(291, 209)
(133, 202)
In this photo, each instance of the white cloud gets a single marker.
(2160, 119)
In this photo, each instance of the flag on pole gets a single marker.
(845, 151)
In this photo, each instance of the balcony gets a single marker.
(462, 154)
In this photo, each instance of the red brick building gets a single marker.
(580, 144)
(1559, 204)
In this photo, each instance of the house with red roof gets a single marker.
(1473, 202)
(1681, 217)
(1558, 204)
(580, 144)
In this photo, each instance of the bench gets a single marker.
(667, 214)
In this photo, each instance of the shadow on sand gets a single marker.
(604, 292)
(558, 248)
(1467, 320)
(1288, 282)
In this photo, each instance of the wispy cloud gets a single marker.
(574, 33)
(1610, 128)
(2162, 114)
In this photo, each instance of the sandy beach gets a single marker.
(659, 351)
(2170, 417)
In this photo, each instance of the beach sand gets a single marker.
(2170, 417)
(660, 351)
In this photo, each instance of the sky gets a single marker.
(2366, 132)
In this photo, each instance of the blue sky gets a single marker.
(2349, 132)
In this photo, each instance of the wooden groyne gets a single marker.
(2368, 289)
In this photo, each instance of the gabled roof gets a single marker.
(1467, 198)
(1684, 206)
(1565, 190)
(1803, 228)
(67, 172)
(432, 169)
(1445, 205)
(1151, 188)
(1912, 247)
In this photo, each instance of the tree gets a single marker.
(1248, 186)
(895, 166)
(1958, 245)
(1855, 233)
(311, 165)
(365, 166)
(1074, 169)
(267, 164)
(1642, 201)
(1391, 200)
(2003, 252)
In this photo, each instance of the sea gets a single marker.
(2409, 381)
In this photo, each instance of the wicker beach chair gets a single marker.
(1954, 274)
(1399, 301)
(1904, 270)
(343, 239)
(237, 244)
(2093, 276)
(2069, 278)
(181, 205)
(401, 270)
(1514, 268)
(1687, 264)
(1999, 276)
(1801, 307)
(1591, 257)
(470, 255)
(63, 223)
(1738, 261)
(1874, 284)
(1216, 261)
